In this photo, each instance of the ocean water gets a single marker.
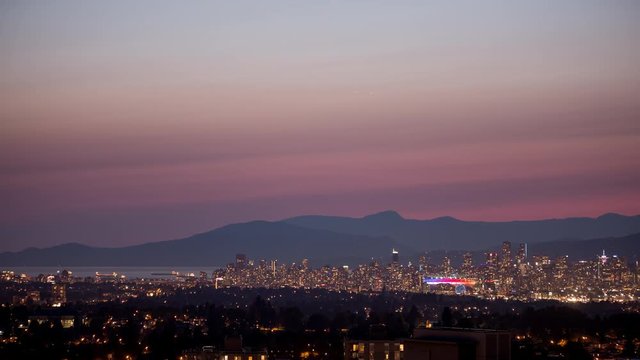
(131, 272)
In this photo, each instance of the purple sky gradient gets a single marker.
(125, 123)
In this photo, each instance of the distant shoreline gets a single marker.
(130, 272)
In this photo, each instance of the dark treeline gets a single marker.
(290, 323)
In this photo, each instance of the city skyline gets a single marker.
(500, 274)
(538, 305)
(127, 123)
(319, 180)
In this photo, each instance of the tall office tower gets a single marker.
(274, 265)
(241, 261)
(505, 257)
(522, 254)
(492, 259)
(560, 268)
(491, 265)
(618, 269)
(540, 261)
(305, 264)
(602, 262)
(395, 257)
(467, 264)
(59, 293)
(608, 267)
(422, 262)
(446, 266)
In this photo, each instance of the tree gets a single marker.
(575, 350)
(447, 317)
(317, 322)
(291, 319)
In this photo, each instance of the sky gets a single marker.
(127, 122)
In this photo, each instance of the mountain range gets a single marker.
(347, 240)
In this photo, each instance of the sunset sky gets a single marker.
(127, 122)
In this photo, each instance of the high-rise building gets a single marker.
(521, 258)
(491, 266)
(395, 256)
(241, 261)
(446, 266)
(618, 268)
(467, 264)
(505, 257)
(422, 262)
(492, 259)
(560, 268)
(602, 262)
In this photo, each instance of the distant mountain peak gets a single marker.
(610, 216)
(387, 215)
(71, 245)
(445, 219)
(318, 238)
